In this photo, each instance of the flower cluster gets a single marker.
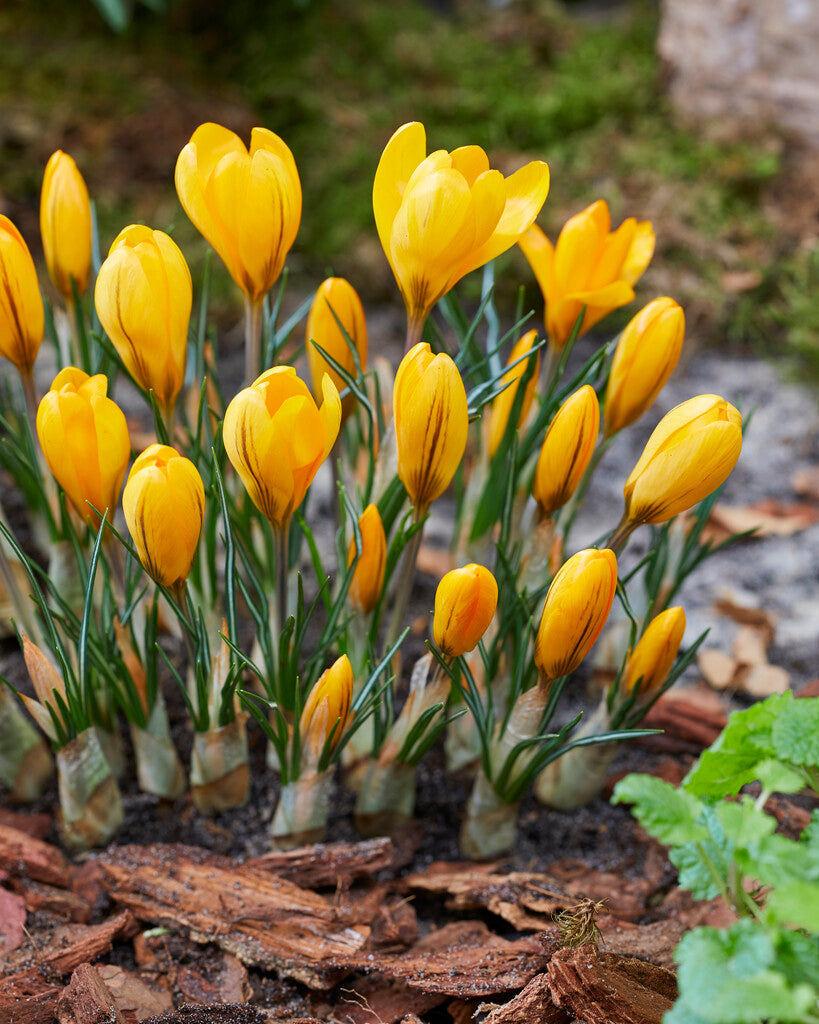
(290, 598)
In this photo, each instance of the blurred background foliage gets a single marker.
(576, 83)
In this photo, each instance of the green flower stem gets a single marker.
(404, 586)
(253, 340)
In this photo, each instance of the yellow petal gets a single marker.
(402, 154)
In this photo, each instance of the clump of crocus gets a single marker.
(646, 355)
(590, 267)
(465, 604)
(337, 325)
(84, 438)
(690, 454)
(65, 226)
(143, 297)
(301, 813)
(443, 215)
(576, 609)
(577, 778)
(247, 204)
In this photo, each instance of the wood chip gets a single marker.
(36, 825)
(717, 667)
(806, 483)
(265, 920)
(23, 855)
(533, 1005)
(60, 902)
(762, 680)
(624, 898)
(750, 646)
(380, 1001)
(328, 864)
(12, 921)
(526, 900)
(86, 1000)
(463, 959)
(689, 716)
(601, 988)
(768, 519)
(227, 982)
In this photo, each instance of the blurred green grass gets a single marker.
(576, 85)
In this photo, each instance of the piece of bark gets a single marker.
(601, 988)
(654, 942)
(689, 717)
(463, 959)
(35, 825)
(27, 857)
(28, 1009)
(526, 900)
(227, 982)
(265, 920)
(86, 882)
(43, 966)
(532, 1005)
(330, 864)
(395, 925)
(793, 819)
(60, 902)
(379, 1001)
(86, 1000)
(133, 994)
(623, 898)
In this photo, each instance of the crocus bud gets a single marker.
(276, 438)
(502, 405)
(143, 297)
(328, 706)
(431, 423)
(336, 296)
(85, 441)
(652, 658)
(590, 266)
(65, 225)
(368, 576)
(567, 450)
(49, 688)
(646, 354)
(21, 306)
(577, 606)
(465, 603)
(164, 502)
(691, 452)
(247, 204)
(443, 215)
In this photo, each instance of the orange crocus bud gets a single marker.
(431, 423)
(465, 603)
(336, 298)
(502, 405)
(646, 354)
(567, 450)
(577, 606)
(652, 658)
(327, 710)
(691, 452)
(590, 266)
(21, 307)
(368, 576)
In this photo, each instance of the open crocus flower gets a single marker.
(84, 438)
(431, 423)
(590, 266)
(164, 503)
(443, 215)
(276, 437)
(247, 204)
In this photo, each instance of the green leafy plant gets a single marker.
(766, 965)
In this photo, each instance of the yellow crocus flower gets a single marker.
(691, 452)
(65, 225)
(431, 423)
(336, 296)
(21, 307)
(84, 438)
(646, 355)
(577, 606)
(143, 297)
(246, 203)
(653, 657)
(465, 603)
(443, 215)
(502, 405)
(368, 575)
(164, 504)
(567, 450)
(328, 705)
(590, 266)
(276, 438)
